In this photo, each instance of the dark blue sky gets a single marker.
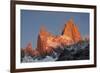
(31, 21)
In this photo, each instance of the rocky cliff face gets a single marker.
(42, 42)
(71, 30)
(47, 42)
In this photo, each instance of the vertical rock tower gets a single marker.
(72, 31)
(43, 36)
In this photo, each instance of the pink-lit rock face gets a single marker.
(47, 42)
(71, 30)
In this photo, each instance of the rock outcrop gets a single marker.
(42, 42)
(47, 42)
(71, 30)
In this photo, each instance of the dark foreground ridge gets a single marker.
(75, 52)
(79, 51)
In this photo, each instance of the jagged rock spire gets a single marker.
(67, 26)
(42, 40)
(28, 49)
(42, 30)
(71, 30)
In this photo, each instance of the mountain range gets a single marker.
(49, 44)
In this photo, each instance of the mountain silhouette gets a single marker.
(49, 44)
